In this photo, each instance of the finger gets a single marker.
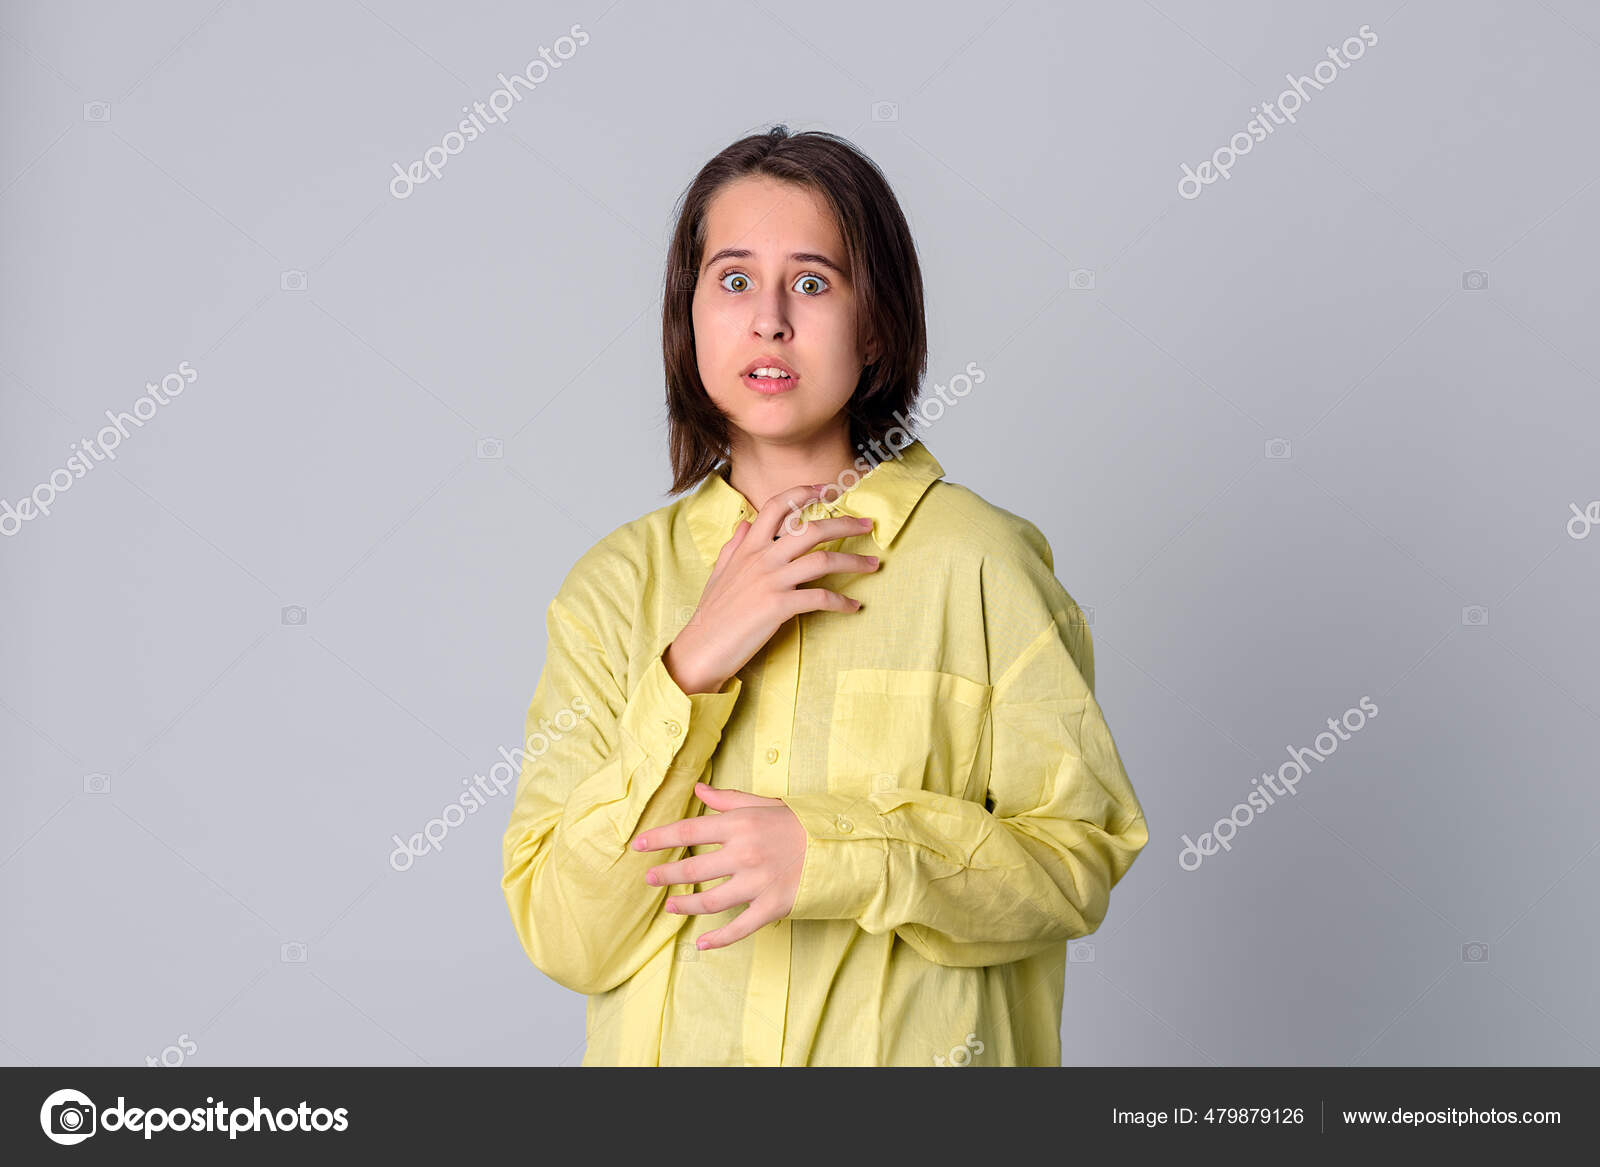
(695, 869)
(804, 534)
(820, 563)
(764, 529)
(683, 833)
(741, 926)
(729, 799)
(728, 894)
(731, 545)
(818, 600)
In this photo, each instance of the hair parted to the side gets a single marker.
(882, 260)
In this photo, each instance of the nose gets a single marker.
(770, 322)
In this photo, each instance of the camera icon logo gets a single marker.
(1080, 952)
(292, 281)
(885, 111)
(1081, 279)
(293, 952)
(686, 950)
(97, 111)
(68, 1117)
(1474, 281)
(97, 783)
(1474, 615)
(1475, 953)
(1277, 448)
(882, 782)
(490, 449)
(294, 614)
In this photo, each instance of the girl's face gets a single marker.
(772, 285)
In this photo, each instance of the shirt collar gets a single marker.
(886, 494)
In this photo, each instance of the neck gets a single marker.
(759, 469)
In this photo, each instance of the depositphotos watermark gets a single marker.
(500, 101)
(1257, 801)
(1290, 102)
(1585, 519)
(183, 1051)
(431, 837)
(100, 448)
(70, 1116)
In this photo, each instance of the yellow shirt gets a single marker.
(965, 807)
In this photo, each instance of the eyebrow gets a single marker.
(796, 257)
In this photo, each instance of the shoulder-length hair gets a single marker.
(883, 270)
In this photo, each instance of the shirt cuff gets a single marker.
(678, 730)
(846, 857)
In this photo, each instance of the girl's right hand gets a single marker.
(753, 589)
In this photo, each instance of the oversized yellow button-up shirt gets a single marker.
(965, 807)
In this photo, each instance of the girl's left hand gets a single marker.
(763, 847)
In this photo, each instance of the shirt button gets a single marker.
(673, 728)
(772, 755)
(843, 824)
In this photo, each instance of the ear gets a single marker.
(869, 349)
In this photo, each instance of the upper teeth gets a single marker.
(768, 373)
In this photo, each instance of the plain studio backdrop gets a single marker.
(1320, 431)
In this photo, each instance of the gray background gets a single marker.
(328, 457)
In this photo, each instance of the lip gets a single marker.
(769, 388)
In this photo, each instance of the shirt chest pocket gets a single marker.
(905, 729)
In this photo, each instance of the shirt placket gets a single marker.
(768, 997)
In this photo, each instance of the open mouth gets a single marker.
(769, 378)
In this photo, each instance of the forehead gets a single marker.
(770, 218)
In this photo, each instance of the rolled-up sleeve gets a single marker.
(600, 765)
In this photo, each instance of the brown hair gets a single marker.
(883, 269)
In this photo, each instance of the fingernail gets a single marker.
(873, 559)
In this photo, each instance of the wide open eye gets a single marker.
(809, 284)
